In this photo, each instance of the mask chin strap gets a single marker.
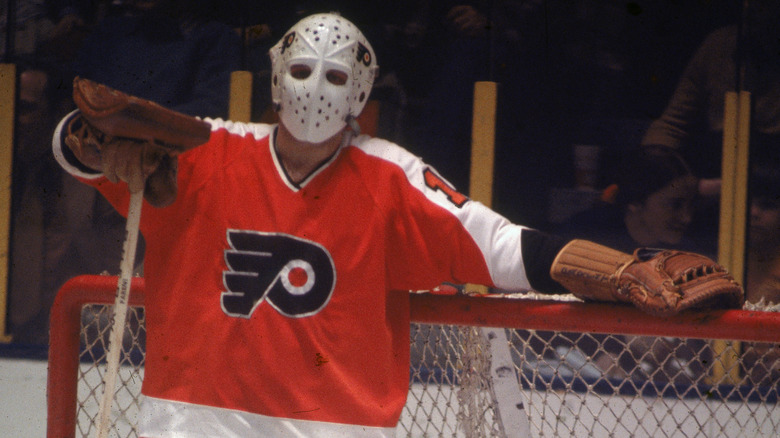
(351, 133)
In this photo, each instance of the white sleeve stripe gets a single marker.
(256, 130)
(497, 238)
(241, 129)
(56, 143)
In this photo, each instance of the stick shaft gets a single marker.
(120, 311)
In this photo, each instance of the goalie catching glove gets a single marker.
(131, 139)
(659, 282)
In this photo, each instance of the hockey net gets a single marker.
(576, 369)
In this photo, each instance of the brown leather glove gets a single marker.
(143, 165)
(131, 139)
(659, 282)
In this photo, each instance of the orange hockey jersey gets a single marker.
(281, 309)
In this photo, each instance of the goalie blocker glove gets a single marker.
(117, 114)
(659, 282)
(130, 139)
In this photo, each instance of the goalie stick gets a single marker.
(120, 312)
(119, 115)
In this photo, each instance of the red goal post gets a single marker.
(65, 344)
(548, 339)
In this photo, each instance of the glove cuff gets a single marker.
(590, 271)
(67, 147)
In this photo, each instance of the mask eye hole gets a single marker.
(300, 71)
(336, 77)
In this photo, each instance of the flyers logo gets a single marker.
(288, 40)
(363, 55)
(295, 276)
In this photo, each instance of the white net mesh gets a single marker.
(581, 384)
(448, 392)
(96, 326)
(573, 384)
(595, 385)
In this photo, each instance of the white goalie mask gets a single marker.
(322, 73)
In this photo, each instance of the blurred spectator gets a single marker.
(731, 58)
(650, 205)
(167, 51)
(440, 49)
(34, 23)
(457, 40)
(762, 287)
(457, 44)
(51, 28)
(763, 262)
(77, 18)
(59, 229)
(36, 179)
(260, 25)
(158, 49)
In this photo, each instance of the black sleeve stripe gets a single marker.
(539, 251)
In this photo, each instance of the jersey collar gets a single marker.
(283, 172)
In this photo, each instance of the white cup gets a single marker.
(586, 165)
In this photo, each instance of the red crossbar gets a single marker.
(488, 311)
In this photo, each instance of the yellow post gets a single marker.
(734, 177)
(240, 96)
(7, 109)
(483, 137)
(483, 142)
(733, 215)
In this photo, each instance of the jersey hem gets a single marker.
(160, 418)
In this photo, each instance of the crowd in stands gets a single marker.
(585, 72)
